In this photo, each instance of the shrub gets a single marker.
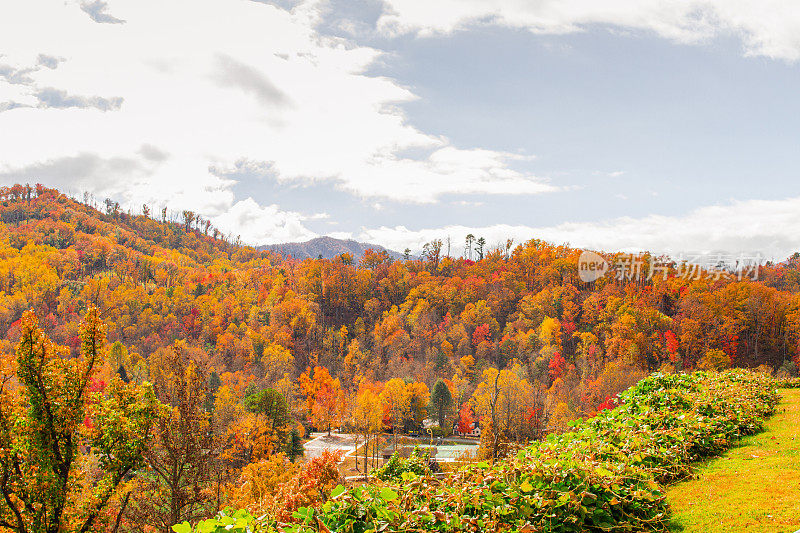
(436, 431)
(714, 360)
(417, 463)
(787, 370)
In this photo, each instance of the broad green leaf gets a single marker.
(604, 472)
(388, 494)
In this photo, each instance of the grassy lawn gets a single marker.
(753, 487)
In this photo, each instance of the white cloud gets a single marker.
(153, 110)
(769, 227)
(212, 84)
(255, 224)
(768, 28)
(613, 174)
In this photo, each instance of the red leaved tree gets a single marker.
(466, 418)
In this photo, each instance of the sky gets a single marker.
(662, 125)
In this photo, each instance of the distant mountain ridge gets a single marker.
(327, 247)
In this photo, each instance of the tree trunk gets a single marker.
(121, 512)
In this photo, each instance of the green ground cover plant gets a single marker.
(609, 473)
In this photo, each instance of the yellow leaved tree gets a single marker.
(505, 403)
(55, 418)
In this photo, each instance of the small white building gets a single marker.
(429, 423)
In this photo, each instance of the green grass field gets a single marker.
(753, 487)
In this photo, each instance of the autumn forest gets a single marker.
(156, 371)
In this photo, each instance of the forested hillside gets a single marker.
(252, 350)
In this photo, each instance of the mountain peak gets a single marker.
(327, 247)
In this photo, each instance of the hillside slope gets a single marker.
(570, 345)
(370, 331)
(753, 487)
